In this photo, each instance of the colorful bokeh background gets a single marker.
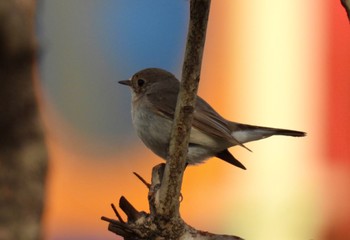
(269, 62)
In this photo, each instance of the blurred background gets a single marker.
(271, 63)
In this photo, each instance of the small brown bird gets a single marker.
(154, 96)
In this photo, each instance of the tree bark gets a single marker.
(164, 221)
(23, 155)
(169, 192)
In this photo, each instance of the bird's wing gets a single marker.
(205, 118)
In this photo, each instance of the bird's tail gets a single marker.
(246, 133)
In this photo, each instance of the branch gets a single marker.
(173, 174)
(141, 225)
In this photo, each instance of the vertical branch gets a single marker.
(173, 174)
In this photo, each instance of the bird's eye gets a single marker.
(140, 82)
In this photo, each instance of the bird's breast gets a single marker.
(153, 129)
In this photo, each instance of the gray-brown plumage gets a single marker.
(154, 96)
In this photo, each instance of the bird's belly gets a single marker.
(153, 130)
(198, 154)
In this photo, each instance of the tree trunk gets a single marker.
(23, 154)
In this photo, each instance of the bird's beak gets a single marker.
(125, 82)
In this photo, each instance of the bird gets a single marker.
(154, 97)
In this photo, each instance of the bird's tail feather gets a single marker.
(246, 133)
(287, 132)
